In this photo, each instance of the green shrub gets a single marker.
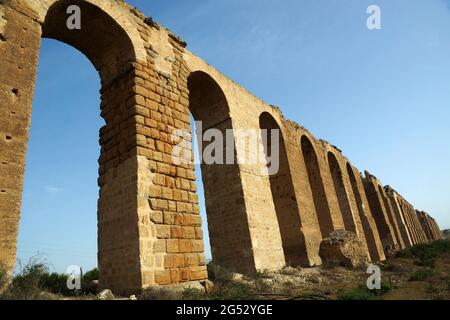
(431, 289)
(210, 269)
(55, 283)
(90, 281)
(4, 279)
(392, 267)
(34, 282)
(258, 275)
(92, 275)
(447, 281)
(217, 273)
(160, 293)
(426, 254)
(426, 262)
(363, 293)
(26, 285)
(232, 291)
(422, 274)
(359, 293)
(406, 253)
(193, 294)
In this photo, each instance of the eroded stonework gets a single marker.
(148, 212)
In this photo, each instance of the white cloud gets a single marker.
(53, 189)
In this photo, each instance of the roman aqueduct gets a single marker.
(149, 223)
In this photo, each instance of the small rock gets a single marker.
(209, 286)
(267, 282)
(105, 295)
(290, 271)
(237, 277)
(315, 279)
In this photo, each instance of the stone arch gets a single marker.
(118, 11)
(341, 193)
(104, 42)
(317, 187)
(371, 235)
(224, 196)
(391, 217)
(109, 48)
(283, 195)
(113, 53)
(410, 225)
(379, 213)
(208, 102)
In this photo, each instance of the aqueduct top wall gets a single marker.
(149, 219)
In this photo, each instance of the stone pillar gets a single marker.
(429, 226)
(380, 215)
(392, 217)
(425, 225)
(422, 237)
(264, 250)
(171, 238)
(408, 220)
(342, 187)
(149, 227)
(333, 203)
(392, 196)
(436, 229)
(304, 194)
(20, 37)
(368, 222)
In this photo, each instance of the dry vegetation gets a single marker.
(421, 272)
(34, 282)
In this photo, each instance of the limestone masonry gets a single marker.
(149, 224)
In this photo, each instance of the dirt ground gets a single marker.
(436, 287)
(341, 283)
(418, 273)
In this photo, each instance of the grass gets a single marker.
(426, 254)
(359, 293)
(422, 274)
(363, 293)
(260, 275)
(393, 267)
(232, 291)
(193, 294)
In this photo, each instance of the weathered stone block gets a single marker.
(343, 248)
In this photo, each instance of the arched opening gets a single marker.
(410, 225)
(110, 50)
(368, 232)
(341, 193)
(375, 202)
(59, 221)
(100, 38)
(283, 195)
(317, 187)
(390, 215)
(224, 197)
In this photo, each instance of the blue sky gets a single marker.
(381, 96)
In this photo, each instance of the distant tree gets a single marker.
(90, 281)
